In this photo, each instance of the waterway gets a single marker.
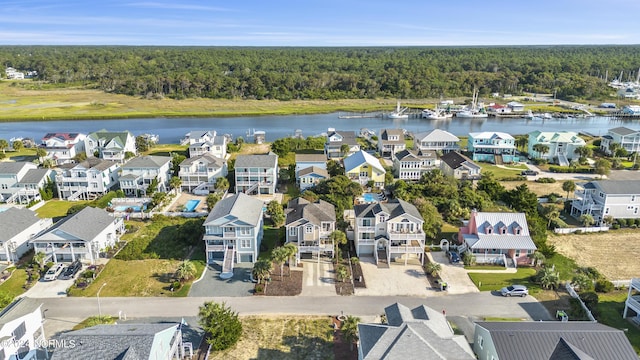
(171, 130)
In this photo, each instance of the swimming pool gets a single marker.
(370, 197)
(191, 205)
(136, 208)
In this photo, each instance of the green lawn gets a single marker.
(496, 281)
(271, 239)
(565, 266)
(168, 149)
(12, 287)
(56, 208)
(500, 173)
(609, 312)
(484, 267)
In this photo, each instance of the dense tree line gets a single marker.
(328, 73)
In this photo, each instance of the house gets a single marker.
(311, 176)
(632, 110)
(338, 142)
(515, 106)
(459, 166)
(494, 237)
(80, 236)
(304, 161)
(233, 231)
(499, 109)
(421, 332)
(436, 140)
(19, 225)
(161, 341)
(22, 332)
(362, 168)
(140, 172)
(390, 142)
(62, 148)
(390, 230)
(633, 301)
(561, 144)
(21, 181)
(206, 142)
(411, 164)
(256, 174)
(110, 145)
(628, 139)
(493, 147)
(13, 74)
(309, 225)
(619, 199)
(200, 173)
(89, 179)
(550, 340)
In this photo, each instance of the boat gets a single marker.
(399, 113)
(473, 111)
(436, 114)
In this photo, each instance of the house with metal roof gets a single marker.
(110, 145)
(550, 340)
(161, 341)
(361, 167)
(436, 140)
(561, 144)
(137, 174)
(80, 236)
(21, 181)
(619, 199)
(421, 332)
(199, 174)
(412, 164)
(22, 333)
(390, 142)
(338, 141)
(87, 180)
(309, 225)
(19, 225)
(459, 166)
(256, 174)
(310, 177)
(233, 231)
(389, 231)
(62, 148)
(493, 147)
(628, 139)
(494, 237)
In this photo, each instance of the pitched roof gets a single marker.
(455, 160)
(557, 137)
(360, 157)
(414, 155)
(61, 136)
(348, 137)
(269, 160)
(314, 170)
(239, 206)
(490, 135)
(13, 221)
(311, 158)
(436, 135)
(394, 207)
(539, 340)
(207, 158)
(119, 137)
(623, 131)
(13, 168)
(91, 163)
(84, 225)
(495, 240)
(618, 187)
(147, 161)
(34, 176)
(385, 133)
(302, 211)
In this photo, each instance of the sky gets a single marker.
(319, 23)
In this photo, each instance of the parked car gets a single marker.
(529, 172)
(515, 290)
(70, 271)
(454, 258)
(53, 272)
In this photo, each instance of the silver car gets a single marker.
(514, 290)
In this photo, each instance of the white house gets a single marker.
(309, 225)
(233, 231)
(515, 106)
(21, 182)
(256, 174)
(619, 199)
(200, 173)
(390, 142)
(436, 140)
(411, 164)
(22, 333)
(87, 180)
(627, 138)
(561, 144)
(206, 142)
(140, 172)
(335, 142)
(63, 147)
(110, 145)
(633, 301)
(19, 225)
(81, 236)
(391, 230)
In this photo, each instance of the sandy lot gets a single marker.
(614, 253)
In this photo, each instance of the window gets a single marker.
(20, 331)
(489, 230)
(245, 231)
(601, 194)
(293, 231)
(633, 198)
(503, 230)
(606, 210)
(245, 243)
(517, 253)
(326, 226)
(308, 229)
(382, 218)
(366, 222)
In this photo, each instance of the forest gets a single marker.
(307, 73)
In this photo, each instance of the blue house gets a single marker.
(493, 147)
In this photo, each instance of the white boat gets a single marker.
(473, 111)
(436, 114)
(399, 113)
(547, 116)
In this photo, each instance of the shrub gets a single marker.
(622, 222)
(176, 285)
(575, 309)
(604, 286)
(590, 299)
(221, 323)
(615, 226)
(590, 271)
(546, 180)
(638, 221)
(259, 288)
(634, 226)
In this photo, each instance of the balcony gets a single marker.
(362, 228)
(216, 248)
(402, 249)
(583, 205)
(405, 235)
(366, 241)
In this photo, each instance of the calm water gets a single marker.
(171, 130)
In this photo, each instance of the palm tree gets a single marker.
(433, 268)
(551, 213)
(341, 273)
(175, 184)
(349, 329)
(587, 220)
(39, 257)
(613, 147)
(583, 151)
(569, 186)
(41, 153)
(262, 270)
(521, 141)
(538, 258)
(344, 149)
(185, 271)
(279, 255)
(222, 184)
(17, 145)
(541, 149)
(3, 145)
(338, 238)
(292, 251)
(548, 277)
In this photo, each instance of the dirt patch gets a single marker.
(341, 348)
(613, 253)
(290, 284)
(358, 276)
(344, 287)
(554, 300)
(539, 189)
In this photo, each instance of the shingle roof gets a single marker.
(311, 158)
(414, 155)
(538, 340)
(394, 208)
(61, 136)
(313, 212)
(206, 158)
(313, 170)
(84, 225)
(148, 161)
(455, 160)
(95, 164)
(358, 158)
(623, 131)
(264, 161)
(239, 206)
(385, 133)
(119, 137)
(34, 176)
(10, 167)
(348, 137)
(436, 135)
(13, 221)
(618, 187)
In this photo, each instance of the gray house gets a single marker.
(309, 225)
(550, 340)
(618, 199)
(419, 333)
(19, 225)
(256, 174)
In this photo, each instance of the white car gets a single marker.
(53, 272)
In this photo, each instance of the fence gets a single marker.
(582, 229)
(584, 307)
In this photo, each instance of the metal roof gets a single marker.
(436, 135)
(240, 207)
(361, 157)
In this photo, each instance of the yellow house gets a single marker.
(362, 167)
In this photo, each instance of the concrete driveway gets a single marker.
(454, 275)
(318, 278)
(49, 289)
(398, 279)
(210, 283)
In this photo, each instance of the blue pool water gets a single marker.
(370, 197)
(136, 208)
(191, 205)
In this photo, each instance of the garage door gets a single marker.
(246, 258)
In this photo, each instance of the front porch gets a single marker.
(397, 250)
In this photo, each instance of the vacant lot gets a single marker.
(539, 189)
(614, 253)
(282, 338)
